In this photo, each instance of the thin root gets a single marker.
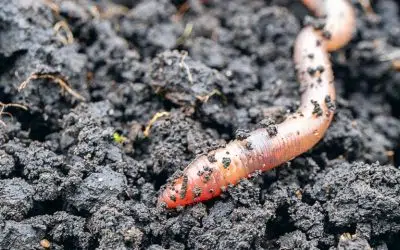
(15, 105)
(205, 98)
(95, 12)
(8, 114)
(53, 6)
(114, 10)
(69, 36)
(367, 7)
(152, 121)
(185, 35)
(183, 64)
(63, 83)
(181, 11)
(3, 106)
(347, 236)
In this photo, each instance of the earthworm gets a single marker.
(265, 148)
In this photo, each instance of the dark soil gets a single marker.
(68, 178)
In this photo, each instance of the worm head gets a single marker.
(175, 193)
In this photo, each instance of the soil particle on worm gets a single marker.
(64, 176)
(269, 125)
(317, 110)
(226, 162)
(242, 134)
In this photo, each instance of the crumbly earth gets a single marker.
(83, 174)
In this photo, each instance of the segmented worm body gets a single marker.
(209, 175)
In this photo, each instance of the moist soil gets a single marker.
(78, 170)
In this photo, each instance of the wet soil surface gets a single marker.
(83, 174)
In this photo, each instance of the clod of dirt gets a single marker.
(226, 227)
(349, 242)
(186, 82)
(15, 199)
(182, 80)
(115, 228)
(98, 189)
(308, 219)
(88, 134)
(7, 164)
(295, 240)
(64, 230)
(361, 195)
(26, 233)
(355, 139)
(34, 160)
(28, 45)
(13, 129)
(211, 53)
(174, 134)
(36, 163)
(150, 26)
(245, 192)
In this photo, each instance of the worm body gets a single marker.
(209, 175)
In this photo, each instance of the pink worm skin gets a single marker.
(208, 176)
